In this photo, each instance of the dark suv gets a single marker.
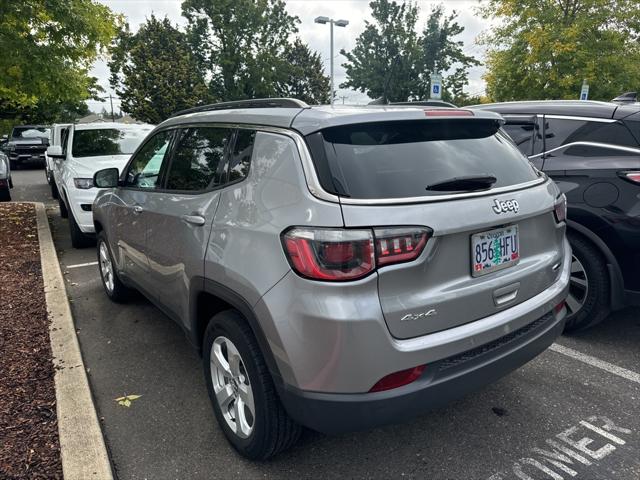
(592, 151)
(27, 144)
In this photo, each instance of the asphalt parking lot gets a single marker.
(574, 412)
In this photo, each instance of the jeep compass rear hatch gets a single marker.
(492, 238)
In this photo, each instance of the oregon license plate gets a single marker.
(494, 250)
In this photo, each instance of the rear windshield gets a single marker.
(400, 159)
(30, 132)
(107, 141)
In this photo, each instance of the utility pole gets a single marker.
(343, 97)
(113, 119)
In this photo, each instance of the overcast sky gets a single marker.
(317, 36)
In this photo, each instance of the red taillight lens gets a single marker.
(631, 176)
(558, 308)
(330, 254)
(338, 254)
(397, 245)
(560, 210)
(398, 379)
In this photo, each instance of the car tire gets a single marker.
(113, 287)
(13, 165)
(78, 238)
(589, 288)
(5, 195)
(272, 430)
(64, 213)
(54, 190)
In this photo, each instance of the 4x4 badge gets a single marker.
(506, 206)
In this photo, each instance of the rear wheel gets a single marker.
(113, 287)
(78, 238)
(588, 299)
(241, 389)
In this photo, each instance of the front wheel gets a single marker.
(113, 287)
(5, 195)
(588, 299)
(78, 238)
(242, 392)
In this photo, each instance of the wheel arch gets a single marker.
(615, 273)
(210, 298)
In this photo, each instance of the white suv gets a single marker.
(88, 148)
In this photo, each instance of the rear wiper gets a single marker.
(464, 184)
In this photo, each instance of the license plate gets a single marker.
(494, 250)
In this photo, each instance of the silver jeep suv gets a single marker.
(338, 268)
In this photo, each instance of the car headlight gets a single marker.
(83, 183)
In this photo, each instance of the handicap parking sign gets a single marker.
(436, 86)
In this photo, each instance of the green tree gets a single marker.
(544, 49)
(305, 79)
(441, 53)
(385, 61)
(154, 73)
(47, 50)
(240, 45)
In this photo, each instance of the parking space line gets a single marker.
(78, 265)
(596, 362)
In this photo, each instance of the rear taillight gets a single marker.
(397, 245)
(332, 254)
(631, 176)
(398, 379)
(560, 209)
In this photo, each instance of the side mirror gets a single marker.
(106, 178)
(55, 151)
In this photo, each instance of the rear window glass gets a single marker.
(400, 159)
(107, 141)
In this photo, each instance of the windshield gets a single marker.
(402, 159)
(30, 132)
(107, 141)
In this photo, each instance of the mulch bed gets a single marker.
(29, 446)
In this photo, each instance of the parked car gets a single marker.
(57, 135)
(87, 148)
(592, 150)
(27, 144)
(6, 183)
(337, 268)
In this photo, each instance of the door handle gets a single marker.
(137, 209)
(194, 220)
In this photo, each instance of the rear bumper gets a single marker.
(441, 382)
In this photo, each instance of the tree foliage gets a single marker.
(442, 53)
(305, 78)
(154, 72)
(240, 45)
(393, 62)
(47, 50)
(544, 49)
(384, 63)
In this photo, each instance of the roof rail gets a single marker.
(252, 103)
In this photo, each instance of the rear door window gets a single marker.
(199, 159)
(563, 131)
(400, 159)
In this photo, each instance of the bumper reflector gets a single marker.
(398, 379)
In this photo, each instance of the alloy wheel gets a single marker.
(578, 287)
(106, 267)
(232, 387)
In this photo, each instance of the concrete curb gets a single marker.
(82, 448)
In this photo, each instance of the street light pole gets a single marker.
(331, 22)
